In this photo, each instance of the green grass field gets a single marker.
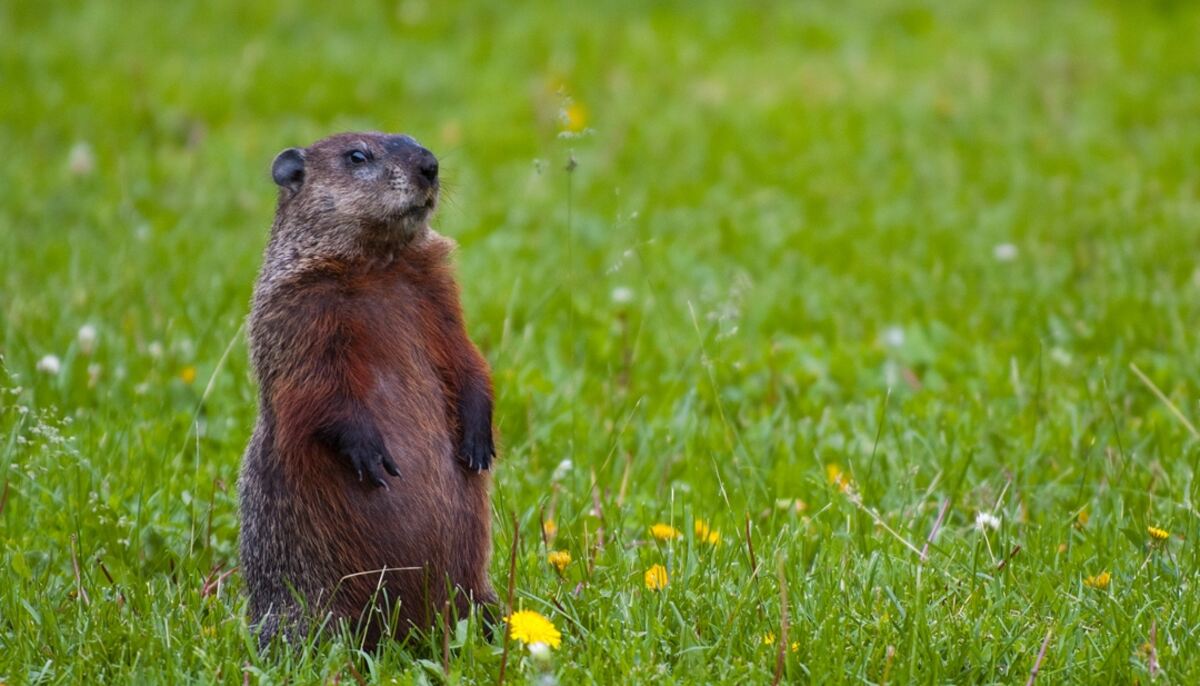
(820, 272)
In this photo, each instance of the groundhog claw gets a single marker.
(371, 467)
(367, 466)
(389, 465)
(477, 451)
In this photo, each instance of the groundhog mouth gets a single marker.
(418, 210)
(407, 218)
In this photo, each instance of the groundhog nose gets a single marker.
(427, 165)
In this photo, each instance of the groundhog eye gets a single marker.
(357, 157)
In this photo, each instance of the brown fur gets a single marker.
(356, 323)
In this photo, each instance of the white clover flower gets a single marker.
(81, 161)
(893, 336)
(186, 347)
(622, 295)
(539, 651)
(155, 349)
(87, 339)
(49, 364)
(985, 521)
(1004, 252)
(560, 472)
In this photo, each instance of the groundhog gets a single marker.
(364, 489)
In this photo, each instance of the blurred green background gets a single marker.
(712, 250)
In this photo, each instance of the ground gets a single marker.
(899, 298)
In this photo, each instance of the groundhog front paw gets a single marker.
(477, 449)
(370, 464)
(362, 446)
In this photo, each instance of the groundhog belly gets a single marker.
(424, 536)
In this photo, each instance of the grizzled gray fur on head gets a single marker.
(350, 197)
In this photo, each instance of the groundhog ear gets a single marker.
(288, 169)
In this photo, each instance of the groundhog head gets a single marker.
(355, 192)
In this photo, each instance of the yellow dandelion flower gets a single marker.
(559, 559)
(573, 117)
(664, 532)
(187, 374)
(833, 473)
(549, 527)
(769, 638)
(706, 534)
(837, 477)
(1082, 519)
(1099, 581)
(531, 627)
(1157, 533)
(795, 646)
(656, 578)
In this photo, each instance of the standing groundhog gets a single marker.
(364, 490)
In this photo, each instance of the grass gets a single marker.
(819, 274)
